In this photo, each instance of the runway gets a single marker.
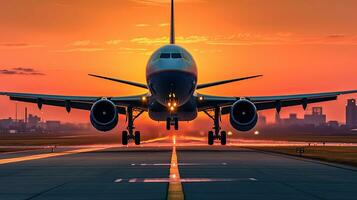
(151, 172)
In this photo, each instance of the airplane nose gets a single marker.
(172, 88)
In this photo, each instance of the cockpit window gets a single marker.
(165, 55)
(176, 55)
(187, 57)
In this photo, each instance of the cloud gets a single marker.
(150, 41)
(131, 50)
(21, 71)
(160, 2)
(20, 45)
(90, 46)
(89, 43)
(165, 40)
(15, 44)
(161, 25)
(71, 50)
(142, 25)
(113, 42)
(336, 36)
(164, 24)
(245, 39)
(250, 39)
(81, 43)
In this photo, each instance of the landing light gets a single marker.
(175, 104)
(172, 108)
(256, 132)
(200, 98)
(230, 133)
(143, 98)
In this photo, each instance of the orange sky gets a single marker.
(299, 46)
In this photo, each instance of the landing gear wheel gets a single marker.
(176, 124)
(210, 138)
(223, 137)
(137, 137)
(124, 138)
(168, 124)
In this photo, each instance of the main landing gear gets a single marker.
(172, 121)
(216, 134)
(129, 134)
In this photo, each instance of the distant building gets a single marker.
(7, 123)
(351, 113)
(292, 120)
(52, 125)
(317, 118)
(333, 124)
(33, 121)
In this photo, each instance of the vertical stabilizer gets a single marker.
(172, 28)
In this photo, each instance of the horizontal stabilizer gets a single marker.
(206, 85)
(121, 81)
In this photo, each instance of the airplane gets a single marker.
(172, 96)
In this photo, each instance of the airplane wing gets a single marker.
(140, 85)
(77, 102)
(206, 85)
(207, 102)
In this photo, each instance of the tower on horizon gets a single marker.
(351, 113)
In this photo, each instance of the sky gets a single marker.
(300, 46)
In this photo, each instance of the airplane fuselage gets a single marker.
(171, 76)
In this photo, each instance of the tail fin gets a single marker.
(172, 29)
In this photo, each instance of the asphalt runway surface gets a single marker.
(165, 170)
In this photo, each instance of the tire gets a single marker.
(223, 137)
(168, 125)
(210, 138)
(124, 138)
(176, 124)
(137, 137)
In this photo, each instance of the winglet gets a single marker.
(121, 81)
(206, 85)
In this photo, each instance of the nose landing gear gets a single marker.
(216, 134)
(172, 121)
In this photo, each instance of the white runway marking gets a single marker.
(118, 180)
(182, 180)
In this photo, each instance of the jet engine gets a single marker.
(104, 115)
(243, 116)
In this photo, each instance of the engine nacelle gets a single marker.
(104, 115)
(243, 116)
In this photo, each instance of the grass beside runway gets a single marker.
(6, 150)
(301, 137)
(58, 139)
(64, 139)
(335, 154)
(46, 155)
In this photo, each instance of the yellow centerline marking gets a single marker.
(47, 155)
(175, 191)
